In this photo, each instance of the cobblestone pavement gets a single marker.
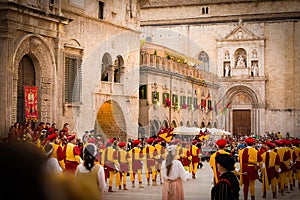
(198, 188)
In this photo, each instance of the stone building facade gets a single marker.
(252, 46)
(82, 55)
(173, 91)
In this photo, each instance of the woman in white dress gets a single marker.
(173, 175)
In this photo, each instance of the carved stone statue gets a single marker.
(227, 56)
(254, 70)
(240, 62)
(227, 69)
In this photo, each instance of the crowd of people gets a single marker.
(271, 158)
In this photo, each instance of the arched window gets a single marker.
(148, 39)
(203, 57)
(106, 63)
(188, 124)
(119, 63)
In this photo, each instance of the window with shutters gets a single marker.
(165, 96)
(73, 79)
(182, 100)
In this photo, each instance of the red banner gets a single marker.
(31, 103)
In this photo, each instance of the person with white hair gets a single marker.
(173, 174)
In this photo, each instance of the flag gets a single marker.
(31, 103)
(166, 134)
(203, 104)
(203, 135)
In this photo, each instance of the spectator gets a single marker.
(227, 187)
(173, 175)
(91, 174)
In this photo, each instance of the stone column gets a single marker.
(6, 87)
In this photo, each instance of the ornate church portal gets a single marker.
(244, 114)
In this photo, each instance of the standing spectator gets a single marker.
(227, 187)
(14, 133)
(173, 175)
(52, 165)
(90, 173)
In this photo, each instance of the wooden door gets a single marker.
(242, 122)
(26, 76)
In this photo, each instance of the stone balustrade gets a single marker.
(165, 64)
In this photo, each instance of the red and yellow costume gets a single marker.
(136, 163)
(195, 153)
(72, 152)
(110, 160)
(160, 157)
(123, 159)
(249, 159)
(270, 173)
(212, 161)
(185, 157)
(284, 156)
(151, 154)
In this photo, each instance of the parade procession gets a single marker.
(150, 99)
(107, 165)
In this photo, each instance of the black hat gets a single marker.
(226, 161)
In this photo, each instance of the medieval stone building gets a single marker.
(173, 91)
(252, 46)
(82, 55)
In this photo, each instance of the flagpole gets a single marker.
(170, 108)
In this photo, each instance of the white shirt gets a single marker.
(177, 171)
(53, 166)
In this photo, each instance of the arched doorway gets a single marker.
(111, 121)
(26, 76)
(241, 111)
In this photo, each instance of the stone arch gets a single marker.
(241, 118)
(181, 123)
(111, 121)
(188, 124)
(242, 89)
(196, 124)
(36, 48)
(105, 68)
(203, 56)
(174, 124)
(119, 68)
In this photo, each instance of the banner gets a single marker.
(31, 103)
(166, 134)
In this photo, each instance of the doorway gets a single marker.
(242, 122)
(26, 76)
